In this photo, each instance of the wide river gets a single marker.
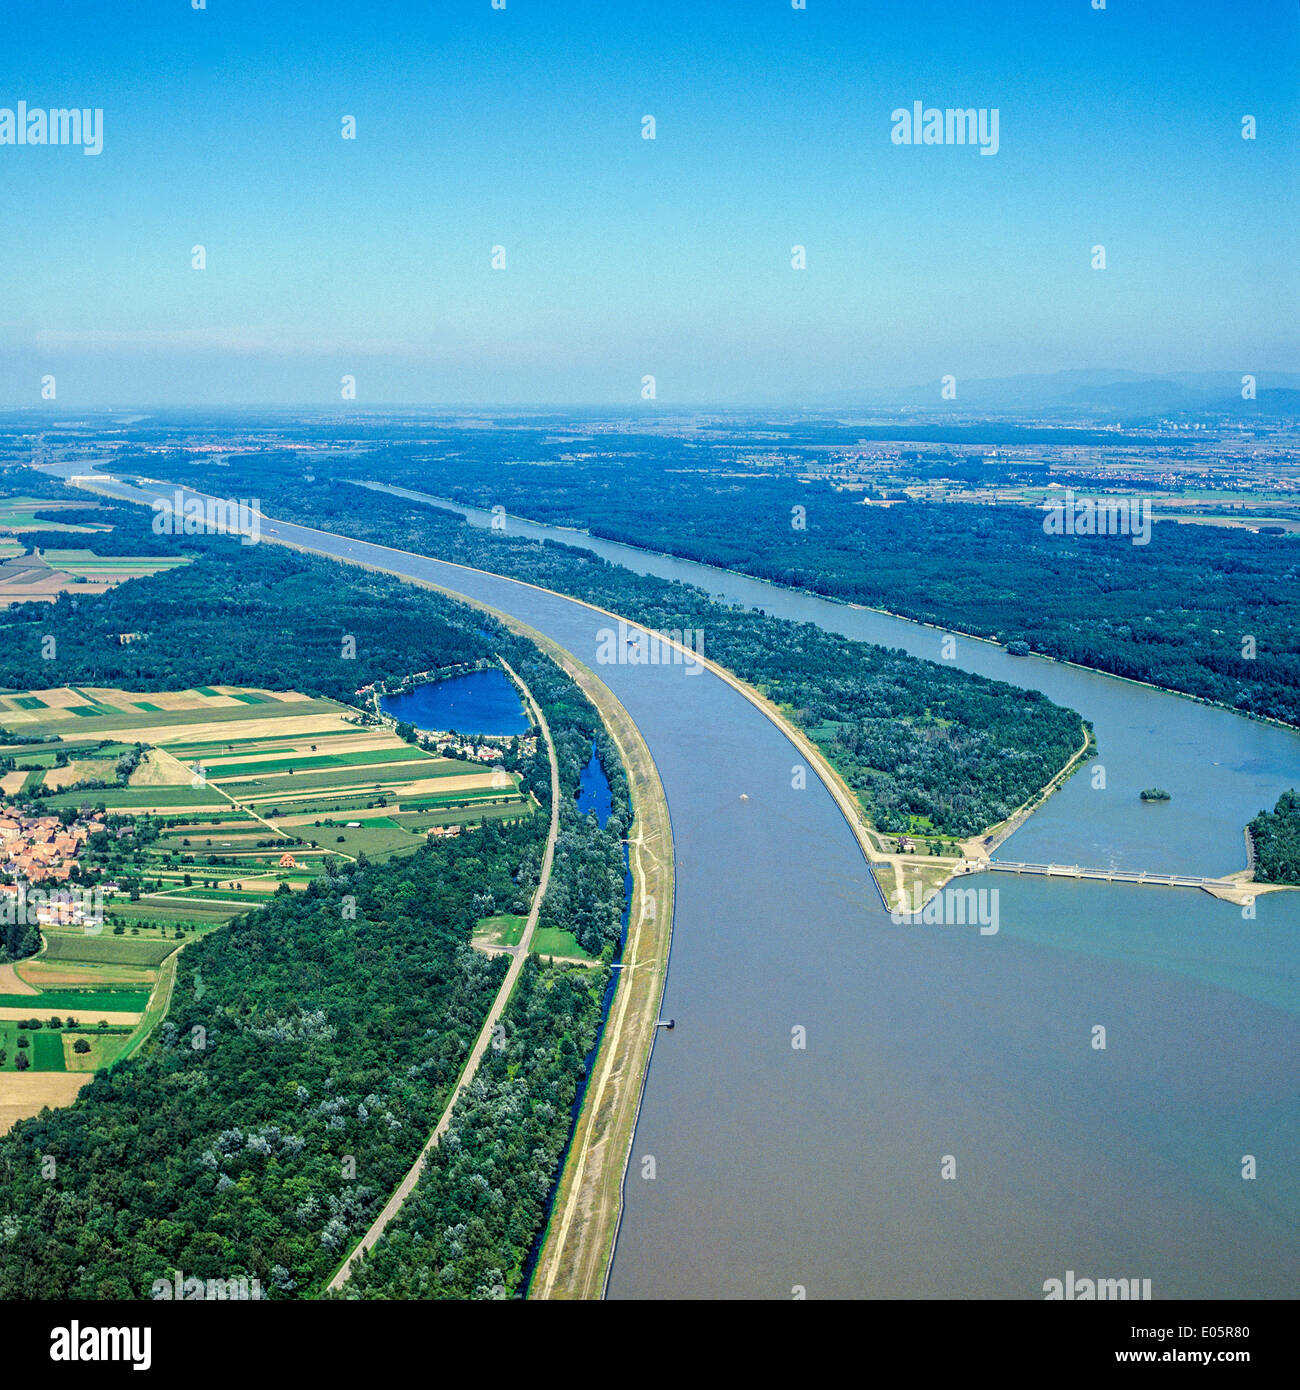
(938, 1048)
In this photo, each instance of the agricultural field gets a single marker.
(18, 514)
(229, 795)
(91, 994)
(43, 575)
(237, 791)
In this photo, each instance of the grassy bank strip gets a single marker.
(159, 1004)
(579, 1238)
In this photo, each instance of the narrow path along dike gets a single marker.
(407, 1185)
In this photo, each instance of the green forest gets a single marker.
(311, 1043)
(1176, 612)
(467, 1230)
(1276, 837)
(309, 1049)
(915, 740)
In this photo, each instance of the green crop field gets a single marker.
(376, 842)
(219, 771)
(138, 798)
(469, 797)
(351, 778)
(47, 1050)
(62, 1001)
(108, 949)
(465, 815)
(19, 513)
(159, 913)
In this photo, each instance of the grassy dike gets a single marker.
(578, 1242)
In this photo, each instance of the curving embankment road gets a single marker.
(484, 1039)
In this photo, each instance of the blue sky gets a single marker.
(522, 128)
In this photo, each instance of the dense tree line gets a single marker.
(1175, 612)
(588, 878)
(311, 1043)
(1276, 836)
(468, 1228)
(912, 738)
(325, 1027)
(256, 615)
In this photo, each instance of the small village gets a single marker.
(42, 848)
(38, 850)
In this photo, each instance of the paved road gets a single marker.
(406, 1186)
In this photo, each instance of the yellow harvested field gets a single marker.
(119, 699)
(44, 588)
(12, 781)
(159, 769)
(83, 1016)
(27, 1093)
(11, 982)
(78, 770)
(288, 696)
(477, 781)
(205, 732)
(58, 698)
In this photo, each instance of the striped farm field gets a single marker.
(109, 949)
(137, 799)
(218, 770)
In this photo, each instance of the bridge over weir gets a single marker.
(1006, 866)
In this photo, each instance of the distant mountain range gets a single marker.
(1123, 396)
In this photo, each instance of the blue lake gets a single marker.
(482, 703)
(593, 790)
